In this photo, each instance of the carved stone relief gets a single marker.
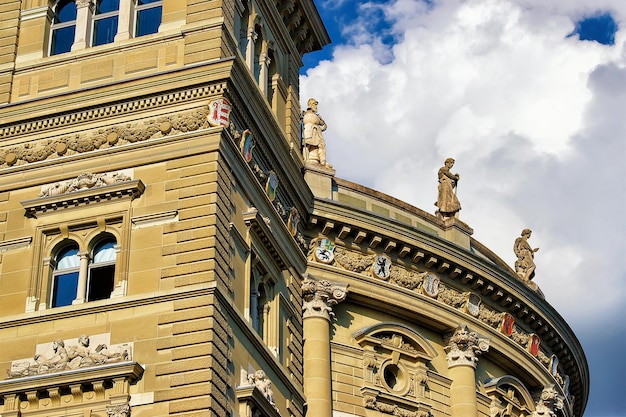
(84, 181)
(393, 409)
(60, 355)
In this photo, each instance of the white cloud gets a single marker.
(535, 120)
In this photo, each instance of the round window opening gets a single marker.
(393, 377)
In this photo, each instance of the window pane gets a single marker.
(104, 30)
(148, 21)
(105, 6)
(104, 252)
(68, 258)
(64, 289)
(100, 282)
(65, 12)
(142, 2)
(62, 40)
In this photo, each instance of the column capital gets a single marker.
(118, 410)
(548, 403)
(320, 296)
(464, 347)
(83, 3)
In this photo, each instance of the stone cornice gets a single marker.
(45, 205)
(129, 370)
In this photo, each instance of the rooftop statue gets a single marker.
(313, 144)
(525, 264)
(447, 203)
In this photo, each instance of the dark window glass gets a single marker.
(105, 22)
(147, 17)
(62, 40)
(63, 27)
(64, 289)
(106, 6)
(104, 30)
(65, 276)
(102, 271)
(65, 12)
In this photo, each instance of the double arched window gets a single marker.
(83, 276)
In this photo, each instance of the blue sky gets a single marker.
(529, 97)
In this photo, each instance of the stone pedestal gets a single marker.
(319, 179)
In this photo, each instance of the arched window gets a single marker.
(147, 16)
(105, 20)
(63, 27)
(65, 276)
(101, 274)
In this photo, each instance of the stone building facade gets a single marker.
(166, 247)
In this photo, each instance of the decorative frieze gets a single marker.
(320, 297)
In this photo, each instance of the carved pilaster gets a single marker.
(321, 296)
(464, 347)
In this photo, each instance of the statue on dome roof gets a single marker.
(447, 203)
(525, 264)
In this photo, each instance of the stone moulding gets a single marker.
(101, 387)
(46, 205)
(118, 109)
(12, 244)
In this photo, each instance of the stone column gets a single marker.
(264, 62)
(84, 8)
(124, 20)
(83, 269)
(251, 39)
(462, 349)
(319, 298)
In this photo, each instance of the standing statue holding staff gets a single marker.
(314, 146)
(447, 203)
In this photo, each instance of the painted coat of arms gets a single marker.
(271, 185)
(324, 251)
(430, 285)
(533, 344)
(246, 145)
(507, 324)
(381, 267)
(472, 306)
(219, 112)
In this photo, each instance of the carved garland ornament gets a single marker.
(104, 138)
